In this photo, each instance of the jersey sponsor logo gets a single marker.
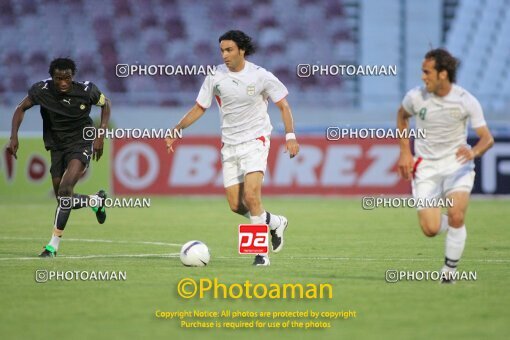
(253, 239)
(86, 154)
(68, 101)
(455, 113)
(45, 87)
(250, 90)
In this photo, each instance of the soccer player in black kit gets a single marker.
(65, 110)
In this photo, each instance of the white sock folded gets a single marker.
(455, 241)
(261, 219)
(55, 242)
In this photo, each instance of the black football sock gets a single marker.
(63, 212)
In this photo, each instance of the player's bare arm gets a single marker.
(291, 145)
(189, 118)
(405, 162)
(486, 141)
(99, 141)
(17, 118)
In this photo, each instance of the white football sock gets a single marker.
(444, 224)
(455, 241)
(274, 220)
(54, 242)
(261, 219)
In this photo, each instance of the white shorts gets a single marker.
(435, 179)
(239, 160)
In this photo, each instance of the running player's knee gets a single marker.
(428, 232)
(234, 206)
(238, 207)
(456, 218)
(429, 229)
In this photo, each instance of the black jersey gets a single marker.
(65, 114)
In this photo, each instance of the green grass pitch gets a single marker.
(328, 241)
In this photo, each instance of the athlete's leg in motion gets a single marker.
(63, 187)
(432, 222)
(66, 200)
(253, 196)
(253, 201)
(235, 199)
(456, 237)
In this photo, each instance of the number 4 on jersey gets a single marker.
(422, 113)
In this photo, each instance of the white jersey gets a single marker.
(242, 100)
(443, 119)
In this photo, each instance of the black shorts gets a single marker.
(61, 158)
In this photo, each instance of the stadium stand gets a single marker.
(480, 35)
(168, 32)
(288, 33)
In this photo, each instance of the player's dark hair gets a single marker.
(62, 64)
(242, 41)
(444, 62)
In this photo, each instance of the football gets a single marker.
(195, 254)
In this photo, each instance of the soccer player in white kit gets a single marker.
(443, 165)
(241, 90)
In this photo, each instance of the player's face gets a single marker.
(63, 80)
(232, 56)
(429, 75)
(434, 81)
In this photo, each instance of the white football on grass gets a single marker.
(195, 254)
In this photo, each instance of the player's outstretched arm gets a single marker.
(291, 144)
(17, 118)
(189, 118)
(405, 162)
(486, 141)
(97, 151)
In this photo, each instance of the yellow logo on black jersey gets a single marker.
(82, 106)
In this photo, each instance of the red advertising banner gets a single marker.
(343, 167)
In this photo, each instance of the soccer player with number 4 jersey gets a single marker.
(241, 90)
(443, 165)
